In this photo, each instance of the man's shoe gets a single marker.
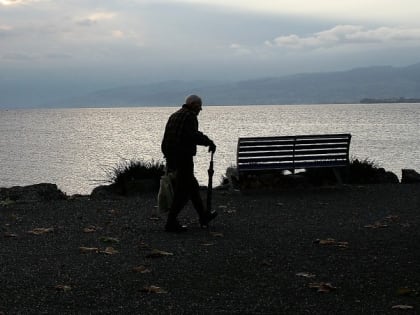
(175, 227)
(205, 219)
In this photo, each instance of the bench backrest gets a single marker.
(292, 152)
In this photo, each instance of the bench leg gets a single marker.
(338, 176)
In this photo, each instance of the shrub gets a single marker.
(128, 172)
(363, 171)
(358, 172)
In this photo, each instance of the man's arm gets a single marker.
(197, 136)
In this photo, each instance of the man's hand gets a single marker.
(212, 147)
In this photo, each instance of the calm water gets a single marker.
(72, 147)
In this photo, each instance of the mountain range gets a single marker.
(381, 82)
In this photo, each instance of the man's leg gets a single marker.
(182, 192)
(196, 199)
(205, 215)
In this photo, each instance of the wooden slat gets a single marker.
(290, 152)
(323, 136)
(291, 159)
(290, 166)
(291, 148)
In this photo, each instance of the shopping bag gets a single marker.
(166, 192)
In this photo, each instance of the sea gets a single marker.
(76, 148)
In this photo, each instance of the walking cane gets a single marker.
(210, 171)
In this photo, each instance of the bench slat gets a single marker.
(296, 158)
(324, 136)
(251, 153)
(296, 142)
(291, 166)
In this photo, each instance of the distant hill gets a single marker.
(382, 82)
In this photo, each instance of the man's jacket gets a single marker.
(182, 136)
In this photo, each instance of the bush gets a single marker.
(358, 172)
(127, 174)
(362, 171)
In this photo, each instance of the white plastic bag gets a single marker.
(166, 192)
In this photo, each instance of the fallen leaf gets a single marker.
(88, 249)
(109, 251)
(279, 204)
(141, 269)
(154, 218)
(154, 289)
(107, 239)
(402, 307)
(406, 291)
(154, 253)
(62, 287)
(8, 234)
(324, 287)
(90, 229)
(332, 242)
(232, 211)
(216, 234)
(305, 275)
(384, 222)
(392, 218)
(376, 225)
(39, 231)
(207, 244)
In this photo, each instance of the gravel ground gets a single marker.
(266, 253)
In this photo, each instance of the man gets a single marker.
(179, 146)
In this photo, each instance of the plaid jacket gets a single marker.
(182, 136)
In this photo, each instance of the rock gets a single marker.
(32, 193)
(232, 177)
(384, 177)
(409, 176)
(392, 178)
(104, 192)
(128, 189)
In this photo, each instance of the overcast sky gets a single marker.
(118, 42)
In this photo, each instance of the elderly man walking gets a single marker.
(179, 146)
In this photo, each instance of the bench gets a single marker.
(268, 154)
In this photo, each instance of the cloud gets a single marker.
(5, 28)
(16, 2)
(377, 10)
(240, 50)
(10, 2)
(118, 34)
(347, 34)
(95, 18)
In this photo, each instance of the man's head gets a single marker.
(194, 103)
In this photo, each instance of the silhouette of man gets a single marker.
(179, 146)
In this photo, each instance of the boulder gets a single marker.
(409, 176)
(385, 177)
(127, 189)
(105, 192)
(32, 193)
(232, 177)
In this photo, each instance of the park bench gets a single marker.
(256, 155)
